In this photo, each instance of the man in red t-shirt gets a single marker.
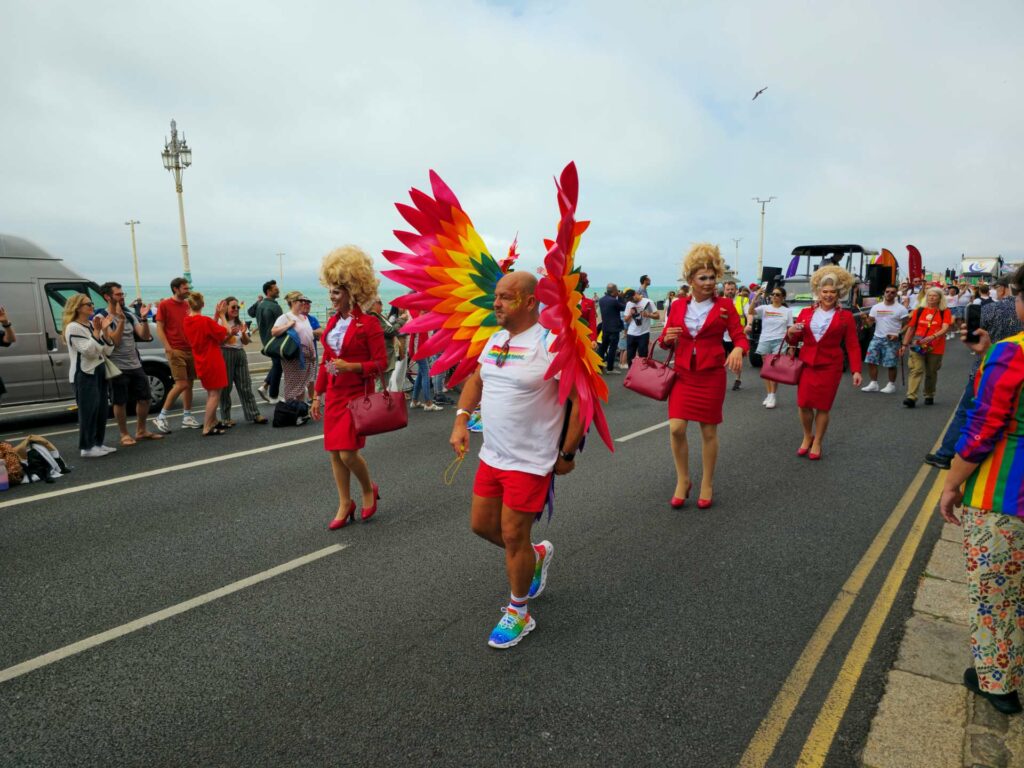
(170, 316)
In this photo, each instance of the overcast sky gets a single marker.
(883, 124)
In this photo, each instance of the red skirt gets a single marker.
(818, 386)
(211, 369)
(698, 395)
(339, 431)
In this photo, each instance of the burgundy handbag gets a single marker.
(782, 367)
(378, 412)
(648, 377)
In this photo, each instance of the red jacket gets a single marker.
(363, 343)
(828, 351)
(710, 352)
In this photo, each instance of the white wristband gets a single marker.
(461, 411)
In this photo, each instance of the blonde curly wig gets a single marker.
(702, 256)
(349, 266)
(834, 276)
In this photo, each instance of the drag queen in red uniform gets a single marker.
(822, 329)
(354, 354)
(696, 325)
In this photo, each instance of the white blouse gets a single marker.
(696, 313)
(84, 349)
(820, 322)
(337, 335)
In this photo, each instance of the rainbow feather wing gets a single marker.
(579, 366)
(452, 275)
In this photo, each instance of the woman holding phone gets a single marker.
(694, 327)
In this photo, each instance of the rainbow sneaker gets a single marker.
(545, 551)
(511, 629)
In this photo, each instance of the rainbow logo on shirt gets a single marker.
(513, 355)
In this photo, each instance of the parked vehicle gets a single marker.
(34, 286)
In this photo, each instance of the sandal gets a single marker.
(224, 426)
(229, 423)
(260, 420)
(149, 436)
(215, 431)
(126, 440)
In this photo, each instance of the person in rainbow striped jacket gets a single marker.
(986, 477)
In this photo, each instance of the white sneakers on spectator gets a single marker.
(261, 390)
(96, 451)
(888, 389)
(769, 402)
(190, 423)
(872, 387)
(160, 425)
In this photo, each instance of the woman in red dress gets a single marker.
(205, 335)
(695, 326)
(354, 354)
(823, 329)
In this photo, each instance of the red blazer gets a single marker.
(828, 351)
(708, 342)
(364, 343)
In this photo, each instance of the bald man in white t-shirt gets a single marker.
(523, 445)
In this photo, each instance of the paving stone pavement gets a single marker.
(927, 719)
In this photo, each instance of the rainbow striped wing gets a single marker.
(578, 365)
(452, 275)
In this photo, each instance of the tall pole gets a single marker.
(181, 227)
(736, 260)
(760, 249)
(135, 258)
(177, 156)
(280, 267)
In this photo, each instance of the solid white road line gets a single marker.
(155, 472)
(631, 435)
(166, 613)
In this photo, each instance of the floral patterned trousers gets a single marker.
(994, 549)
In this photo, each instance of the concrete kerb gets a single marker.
(926, 718)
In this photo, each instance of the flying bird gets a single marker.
(760, 92)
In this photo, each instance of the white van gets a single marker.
(34, 287)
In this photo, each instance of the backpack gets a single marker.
(290, 413)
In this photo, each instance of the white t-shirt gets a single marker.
(963, 298)
(820, 322)
(302, 327)
(888, 319)
(644, 305)
(774, 321)
(337, 335)
(520, 411)
(696, 312)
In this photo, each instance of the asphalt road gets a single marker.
(663, 636)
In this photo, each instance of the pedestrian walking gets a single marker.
(924, 342)
(205, 336)
(523, 445)
(639, 311)
(132, 386)
(170, 328)
(390, 341)
(913, 293)
(354, 354)
(299, 373)
(7, 338)
(884, 347)
(266, 311)
(236, 364)
(611, 306)
(398, 318)
(999, 320)
(986, 478)
(85, 334)
(730, 292)
(775, 319)
(823, 329)
(421, 397)
(694, 328)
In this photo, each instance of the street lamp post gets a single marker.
(280, 266)
(177, 156)
(760, 250)
(736, 242)
(135, 257)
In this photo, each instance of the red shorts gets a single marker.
(519, 491)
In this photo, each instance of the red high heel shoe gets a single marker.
(814, 456)
(341, 522)
(369, 512)
(703, 503)
(803, 451)
(676, 503)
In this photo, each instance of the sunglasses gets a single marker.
(499, 361)
(88, 304)
(776, 294)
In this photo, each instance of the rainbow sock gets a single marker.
(518, 604)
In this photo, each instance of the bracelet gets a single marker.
(462, 411)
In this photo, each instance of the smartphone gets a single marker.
(973, 317)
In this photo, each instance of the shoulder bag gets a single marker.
(782, 367)
(283, 347)
(650, 378)
(378, 412)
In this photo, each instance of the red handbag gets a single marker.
(782, 367)
(648, 377)
(378, 412)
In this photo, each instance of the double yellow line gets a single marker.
(818, 743)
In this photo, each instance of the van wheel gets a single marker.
(160, 384)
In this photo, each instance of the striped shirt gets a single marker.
(993, 435)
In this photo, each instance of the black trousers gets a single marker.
(637, 345)
(610, 349)
(91, 397)
(273, 380)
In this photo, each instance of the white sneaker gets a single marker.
(766, 399)
(872, 387)
(106, 449)
(92, 453)
(770, 402)
(261, 390)
(190, 423)
(432, 407)
(160, 425)
(888, 389)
